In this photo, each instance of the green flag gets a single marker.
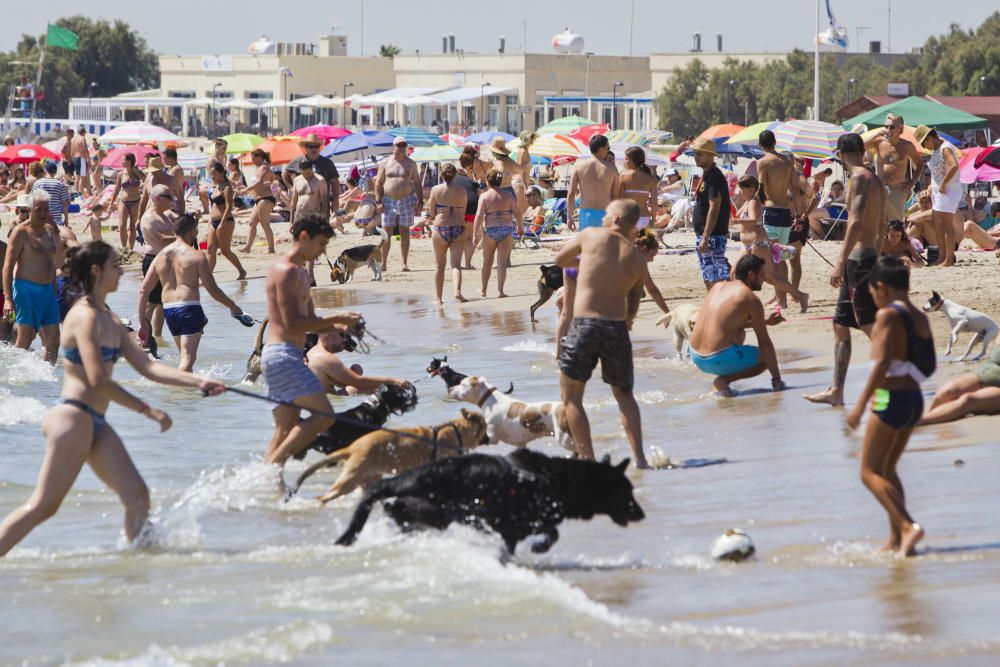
(61, 37)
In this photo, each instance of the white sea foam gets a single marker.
(24, 366)
(19, 409)
(530, 345)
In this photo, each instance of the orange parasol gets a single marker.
(282, 149)
(723, 131)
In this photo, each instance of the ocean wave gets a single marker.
(23, 366)
(530, 345)
(19, 409)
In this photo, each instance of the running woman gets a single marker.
(903, 355)
(76, 431)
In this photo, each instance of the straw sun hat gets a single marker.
(705, 146)
(310, 140)
(499, 146)
(921, 133)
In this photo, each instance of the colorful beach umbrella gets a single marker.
(564, 125)
(280, 150)
(242, 142)
(970, 173)
(359, 141)
(445, 153)
(26, 153)
(416, 136)
(325, 132)
(748, 135)
(191, 160)
(808, 138)
(488, 137)
(587, 131)
(723, 131)
(454, 139)
(552, 146)
(138, 132)
(116, 155)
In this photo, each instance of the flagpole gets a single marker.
(816, 68)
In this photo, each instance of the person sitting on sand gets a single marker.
(897, 244)
(717, 340)
(984, 233)
(974, 393)
(903, 356)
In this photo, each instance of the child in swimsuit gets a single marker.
(903, 355)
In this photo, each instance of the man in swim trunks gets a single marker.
(291, 316)
(176, 172)
(157, 229)
(80, 153)
(401, 195)
(776, 174)
(596, 181)
(67, 157)
(899, 165)
(711, 215)
(177, 270)
(29, 273)
(599, 331)
(729, 308)
(865, 231)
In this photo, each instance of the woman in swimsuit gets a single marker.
(128, 181)
(446, 205)
(755, 242)
(93, 339)
(903, 356)
(510, 171)
(220, 236)
(494, 229)
(473, 187)
(899, 245)
(638, 184)
(263, 200)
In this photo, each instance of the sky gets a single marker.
(660, 26)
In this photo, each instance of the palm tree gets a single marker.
(388, 50)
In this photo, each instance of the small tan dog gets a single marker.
(680, 322)
(354, 258)
(380, 453)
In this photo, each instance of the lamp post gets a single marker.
(614, 102)
(347, 84)
(729, 98)
(850, 85)
(215, 110)
(90, 99)
(482, 104)
(982, 81)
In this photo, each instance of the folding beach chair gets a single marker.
(832, 223)
(532, 236)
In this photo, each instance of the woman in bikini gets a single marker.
(638, 184)
(128, 182)
(755, 242)
(496, 221)
(899, 245)
(446, 205)
(473, 188)
(510, 172)
(93, 339)
(903, 356)
(263, 200)
(220, 236)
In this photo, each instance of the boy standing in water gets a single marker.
(599, 330)
(903, 352)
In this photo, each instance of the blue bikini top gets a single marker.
(72, 354)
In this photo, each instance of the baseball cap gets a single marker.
(23, 201)
(51, 166)
(672, 172)
(399, 140)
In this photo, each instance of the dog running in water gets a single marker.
(354, 258)
(550, 281)
(451, 377)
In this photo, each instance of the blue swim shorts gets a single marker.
(36, 304)
(714, 265)
(591, 217)
(184, 318)
(286, 373)
(727, 361)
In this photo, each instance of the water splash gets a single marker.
(23, 366)
(19, 409)
(530, 345)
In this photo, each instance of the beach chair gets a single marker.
(532, 236)
(831, 224)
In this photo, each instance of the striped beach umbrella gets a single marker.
(808, 138)
(552, 146)
(116, 155)
(416, 136)
(748, 135)
(487, 137)
(190, 161)
(454, 139)
(587, 131)
(564, 125)
(138, 132)
(436, 154)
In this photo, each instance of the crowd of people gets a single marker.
(58, 284)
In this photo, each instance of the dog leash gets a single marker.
(820, 254)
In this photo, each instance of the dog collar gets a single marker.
(489, 392)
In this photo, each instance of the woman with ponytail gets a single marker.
(638, 184)
(93, 339)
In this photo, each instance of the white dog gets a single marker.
(680, 322)
(961, 319)
(512, 421)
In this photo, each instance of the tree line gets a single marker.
(958, 63)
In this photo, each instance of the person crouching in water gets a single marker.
(93, 339)
(903, 355)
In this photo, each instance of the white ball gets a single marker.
(734, 545)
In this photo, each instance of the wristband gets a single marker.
(144, 408)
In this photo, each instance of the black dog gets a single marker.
(522, 494)
(373, 414)
(440, 368)
(551, 280)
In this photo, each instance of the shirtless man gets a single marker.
(291, 316)
(862, 241)
(309, 192)
(67, 157)
(399, 191)
(805, 199)
(157, 226)
(29, 273)
(81, 160)
(156, 175)
(729, 308)
(596, 182)
(599, 330)
(178, 270)
(898, 165)
(334, 374)
(776, 174)
(176, 172)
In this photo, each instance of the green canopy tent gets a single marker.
(921, 111)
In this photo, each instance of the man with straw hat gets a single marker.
(899, 165)
(399, 190)
(711, 215)
(596, 181)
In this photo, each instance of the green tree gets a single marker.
(113, 56)
(388, 50)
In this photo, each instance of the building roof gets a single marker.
(979, 106)
(393, 96)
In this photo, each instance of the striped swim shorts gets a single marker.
(286, 373)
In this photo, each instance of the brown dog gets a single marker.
(380, 453)
(354, 258)
(253, 363)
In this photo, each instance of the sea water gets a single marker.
(236, 576)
